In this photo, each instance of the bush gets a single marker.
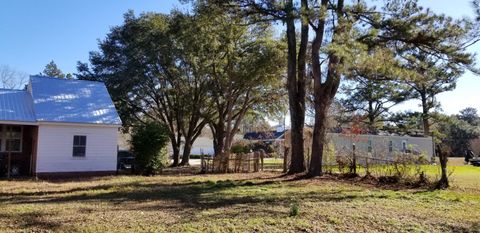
(197, 156)
(149, 142)
(294, 209)
(268, 148)
(240, 147)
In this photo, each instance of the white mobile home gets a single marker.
(382, 146)
(58, 127)
(374, 146)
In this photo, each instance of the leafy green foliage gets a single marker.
(456, 134)
(188, 70)
(405, 123)
(398, 40)
(151, 68)
(476, 7)
(372, 99)
(149, 142)
(240, 149)
(294, 209)
(51, 70)
(244, 65)
(469, 115)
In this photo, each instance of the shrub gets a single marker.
(268, 148)
(240, 147)
(294, 209)
(149, 143)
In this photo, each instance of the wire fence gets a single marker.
(236, 163)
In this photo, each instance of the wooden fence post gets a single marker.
(285, 159)
(354, 165)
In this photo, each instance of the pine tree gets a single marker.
(51, 70)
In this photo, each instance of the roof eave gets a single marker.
(12, 122)
(78, 124)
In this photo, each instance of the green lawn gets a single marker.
(237, 203)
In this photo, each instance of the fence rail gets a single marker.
(241, 163)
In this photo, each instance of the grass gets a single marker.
(264, 202)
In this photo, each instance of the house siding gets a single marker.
(55, 147)
(380, 145)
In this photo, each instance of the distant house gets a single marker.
(264, 135)
(382, 146)
(57, 127)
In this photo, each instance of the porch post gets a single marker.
(33, 157)
(9, 164)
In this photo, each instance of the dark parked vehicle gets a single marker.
(125, 160)
(472, 158)
(475, 162)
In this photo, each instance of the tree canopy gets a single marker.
(51, 70)
(351, 36)
(187, 71)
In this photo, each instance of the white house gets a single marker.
(382, 146)
(58, 127)
(385, 147)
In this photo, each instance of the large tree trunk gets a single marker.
(296, 88)
(425, 115)
(443, 156)
(323, 92)
(175, 140)
(176, 155)
(187, 148)
(371, 117)
(319, 131)
(218, 134)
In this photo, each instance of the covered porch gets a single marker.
(18, 144)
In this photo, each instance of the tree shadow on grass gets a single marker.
(199, 194)
(37, 220)
(242, 198)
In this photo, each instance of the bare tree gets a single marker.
(11, 78)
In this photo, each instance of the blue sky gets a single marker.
(32, 33)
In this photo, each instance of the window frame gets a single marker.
(79, 145)
(4, 137)
(370, 146)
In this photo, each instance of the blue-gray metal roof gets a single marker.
(72, 101)
(16, 105)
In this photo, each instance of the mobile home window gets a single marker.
(404, 146)
(79, 145)
(369, 146)
(12, 135)
(390, 146)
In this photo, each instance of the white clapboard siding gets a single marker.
(55, 147)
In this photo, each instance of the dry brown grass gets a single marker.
(232, 203)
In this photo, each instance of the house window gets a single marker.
(369, 148)
(11, 139)
(390, 146)
(79, 145)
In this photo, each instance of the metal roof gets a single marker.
(72, 101)
(16, 105)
